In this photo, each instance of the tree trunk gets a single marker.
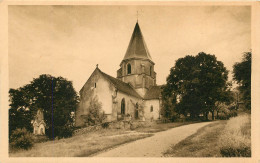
(207, 114)
(191, 115)
(217, 114)
(213, 115)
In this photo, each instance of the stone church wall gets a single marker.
(96, 87)
(130, 102)
(154, 114)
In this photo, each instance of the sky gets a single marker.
(69, 41)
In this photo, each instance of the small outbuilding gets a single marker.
(38, 123)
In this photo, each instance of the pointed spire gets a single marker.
(137, 47)
(137, 16)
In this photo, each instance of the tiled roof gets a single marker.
(121, 86)
(154, 92)
(137, 47)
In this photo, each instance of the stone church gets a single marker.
(133, 93)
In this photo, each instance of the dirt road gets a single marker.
(153, 146)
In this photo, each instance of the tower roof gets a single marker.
(137, 47)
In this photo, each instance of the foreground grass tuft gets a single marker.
(236, 140)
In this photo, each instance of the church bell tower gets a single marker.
(137, 67)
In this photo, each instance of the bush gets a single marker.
(226, 112)
(105, 125)
(95, 115)
(223, 116)
(21, 139)
(233, 113)
(165, 120)
(63, 131)
(236, 152)
(135, 125)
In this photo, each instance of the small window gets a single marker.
(151, 108)
(136, 111)
(129, 69)
(123, 106)
(151, 69)
(95, 85)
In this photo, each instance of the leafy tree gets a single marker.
(181, 84)
(213, 84)
(54, 95)
(196, 83)
(167, 112)
(242, 74)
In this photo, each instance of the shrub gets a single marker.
(135, 125)
(235, 152)
(95, 115)
(64, 131)
(226, 112)
(223, 116)
(105, 125)
(233, 113)
(165, 120)
(21, 139)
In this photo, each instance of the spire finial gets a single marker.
(97, 65)
(137, 15)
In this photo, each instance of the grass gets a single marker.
(80, 145)
(92, 142)
(236, 140)
(153, 128)
(226, 138)
(201, 144)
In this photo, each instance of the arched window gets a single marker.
(129, 68)
(136, 111)
(151, 108)
(151, 69)
(123, 106)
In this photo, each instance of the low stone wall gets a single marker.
(39, 138)
(87, 129)
(120, 125)
(126, 125)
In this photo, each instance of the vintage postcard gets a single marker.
(157, 81)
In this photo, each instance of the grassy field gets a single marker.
(227, 138)
(236, 140)
(80, 145)
(201, 144)
(162, 127)
(92, 142)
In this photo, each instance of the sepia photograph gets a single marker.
(129, 81)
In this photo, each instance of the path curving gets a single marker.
(155, 145)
